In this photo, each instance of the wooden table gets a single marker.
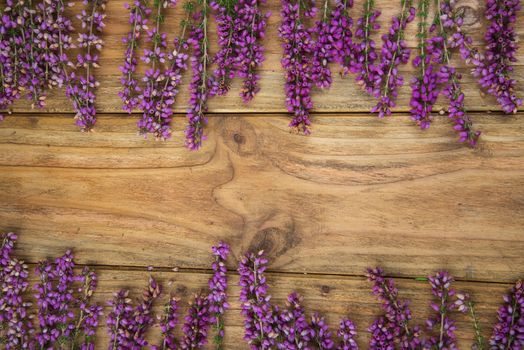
(358, 192)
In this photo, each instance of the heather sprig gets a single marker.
(88, 313)
(341, 34)
(448, 21)
(323, 53)
(250, 27)
(294, 330)
(501, 46)
(201, 81)
(163, 77)
(168, 322)
(424, 86)
(16, 327)
(347, 332)
(298, 46)
(218, 292)
(196, 324)
(393, 53)
(365, 51)
(444, 305)
(138, 18)
(397, 312)
(321, 335)
(81, 88)
(120, 321)
(382, 337)
(464, 304)
(508, 332)
(260, 330)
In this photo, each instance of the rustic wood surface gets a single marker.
(358, 192)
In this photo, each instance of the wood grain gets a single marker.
(344, 96)
(334, 297)
(358, 192)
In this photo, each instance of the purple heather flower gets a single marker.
(218, 291)
(441, 289)
(365, 53)
(227, 53)
(495, 70)
(81, 88)
(138, 18)
(394, 52)
(341, 35)
(162, 85)
(464, 304)
(324, 51)
(201, 82)
(425, 89)
(508, 332)
(298, 46)
(294, 330)
(259, 318)
(382, 337)
(249, 30)
(321, 336)
(347, 332)
(168, 323)
(397, 312)
(15, 317)
(196, 324)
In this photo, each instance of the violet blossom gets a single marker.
(382, 337)
(323, 53)
(321, 336)
(298, 46)
(508, 332)
(81, 88)
(249, 27)
(260, 328)
(201, 81)
(294, 330)
(227, 52)
(394, 52)
(365, 53)
(196, 324)
(168, 322)
(464, 304)
(441, 289)
(138, 18)
(347, 332)
(218, 292)
(341, 34)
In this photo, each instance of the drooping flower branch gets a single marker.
(163, 78)
(394, 52)
(448, 23)
(138, 18)
(218, 292)
(365, 51)
(441, 289)
(342, 35)
(250, 28)
(298, 46)
(508, 333)
(424, 86)
(323, 53)
(201, 81)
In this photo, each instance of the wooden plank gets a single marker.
(334, 297)
(344, 96)
(358, 192)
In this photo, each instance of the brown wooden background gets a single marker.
(358, 192)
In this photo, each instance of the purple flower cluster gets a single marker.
(394, 52)
(127, 325)
(441, 289)
(168, 322)
(259, 323)
(249, 30)
(501, 46)
(321, 334)
(298, 46)
(397, 313)
(295, 332)
(347, 332)
(226, 55)
(341, 34)
(323, 53)
(218, 291)
(161, 85)
(138, 18)
(508, 332)
(196, 324)
(425, 89)
(365, 53)
(201, 82)
(382, 337)
(16, 327)
(465, 304)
